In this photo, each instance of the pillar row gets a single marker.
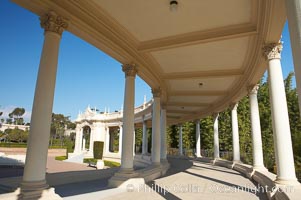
(144, 138)
(163, 134)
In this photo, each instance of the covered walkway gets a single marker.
(186, 179)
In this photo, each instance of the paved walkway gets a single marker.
(185, 180)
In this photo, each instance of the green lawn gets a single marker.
(87, 160)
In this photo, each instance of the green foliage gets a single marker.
(98, 149)
(14, 145)
(16, 135)
(60, 158)
(106, 162)
(16, 114)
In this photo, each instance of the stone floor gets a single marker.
(185, 180)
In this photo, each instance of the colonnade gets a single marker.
(34, 181)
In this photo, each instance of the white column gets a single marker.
(84, 144)
(107, 145)
(256, 129)
(293, 12)
(180, 140)
(163, 134)
(81, 135)
(216, 138)
(235, 134)
(91, 141)
(144, 137)
(77, 139)
(198, 139)
(128, 121)
(36, 155)
(120, 140)
(281, 127)
(134, 142)
(156, 138)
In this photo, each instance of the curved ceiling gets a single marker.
(204, 56)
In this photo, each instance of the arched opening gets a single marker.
(114, 140)
(86, 137)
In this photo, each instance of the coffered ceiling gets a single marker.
(203, 56)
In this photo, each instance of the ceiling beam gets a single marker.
(187, 104)
(202, 74)
(198, 37)
(198, 93)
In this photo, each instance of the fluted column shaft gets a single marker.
(198, 139)
(216, 137)
(235, 134)
(128, 120)
(144, 138)
(180, 140)
(293, 12)
(256, 129)
(163, 134)
(281, 127)
(156, 138)
(37, 149)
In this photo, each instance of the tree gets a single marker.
(16, 114)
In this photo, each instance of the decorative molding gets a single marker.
(272, 50)
(203, 74)
(129, 70)
(253, 89)
(156, 92)
(53, 23)
(198, 37)
(198, 93)
(186, 104)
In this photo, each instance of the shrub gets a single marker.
(60, 158)
(98, 149)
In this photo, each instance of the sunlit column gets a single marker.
(216, 137)
(36, 155)
(77, 139)
(198, 138)
(144, 137)
(235, 134)
(180, 140)
(91, 143)
(281, 127)
(128, 120)
(120, 139)
(163, 134)
(156, 138)
(293, 13)
(107, 145)
(256, 129)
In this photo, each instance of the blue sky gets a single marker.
(86, 76)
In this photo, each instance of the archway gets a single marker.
(86, 137)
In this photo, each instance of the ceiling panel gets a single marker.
(218, 55)
(148, 20)
(193, 99)
(201, 84)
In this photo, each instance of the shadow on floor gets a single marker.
(260, 195)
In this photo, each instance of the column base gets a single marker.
(36, 190)
(284, 181)
(260, 168)
(122, 176)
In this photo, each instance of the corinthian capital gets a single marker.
(253, 89)
(54, 23)
(129, 69)
(272, 50)
(156, 92)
